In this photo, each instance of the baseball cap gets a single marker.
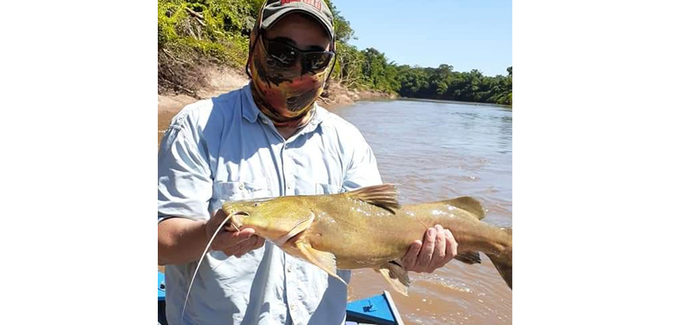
(274, 10)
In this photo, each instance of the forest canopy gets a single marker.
(195, 32)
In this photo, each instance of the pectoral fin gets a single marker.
(299, 227)
(396, 276)
(324, 260)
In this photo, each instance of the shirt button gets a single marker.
(241, 186)
(293, 306)
(288, 269)
(264, 121)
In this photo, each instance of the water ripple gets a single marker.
(436, 151)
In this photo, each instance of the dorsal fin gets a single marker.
(468, 204)
(383, 196)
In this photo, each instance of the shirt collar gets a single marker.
(250, 110)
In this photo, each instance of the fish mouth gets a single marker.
(234, 222)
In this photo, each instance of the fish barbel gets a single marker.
(367, 228)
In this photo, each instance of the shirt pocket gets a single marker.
(237, 191)
(322, 188)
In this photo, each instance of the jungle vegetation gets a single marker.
(192, 33)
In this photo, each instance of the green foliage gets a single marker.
(216, 30)
(193, 31)
(349, 66)
(443, 83)
(343, 31)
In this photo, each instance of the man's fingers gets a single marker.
(427, 251)
(231, 242)
(244, 233)
(227, 240)
(218, 213)
(439, 251)
(231, 239)
(451, 246)
(216, 219)
(259, 242)
(244, 247)
(410, 257)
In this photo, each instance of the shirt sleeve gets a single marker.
(184, 177)
(362, 170)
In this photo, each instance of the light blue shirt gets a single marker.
(225, 149)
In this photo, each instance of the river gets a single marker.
(437, 150)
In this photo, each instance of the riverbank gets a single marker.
(446, 101)
(220, 80)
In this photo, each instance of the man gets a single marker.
(267, 139)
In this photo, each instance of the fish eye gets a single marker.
(257, 202)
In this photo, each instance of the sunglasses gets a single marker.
(285, 55)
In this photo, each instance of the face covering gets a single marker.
(284, 94)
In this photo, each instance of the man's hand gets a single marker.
(438, 249)
(233, 243)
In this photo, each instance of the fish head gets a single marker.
(276, 219)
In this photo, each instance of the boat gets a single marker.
(161, 299)
(376, 310)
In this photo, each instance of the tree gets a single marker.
(343, 30)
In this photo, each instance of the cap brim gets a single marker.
(277, 16)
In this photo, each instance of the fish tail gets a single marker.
(503, 260)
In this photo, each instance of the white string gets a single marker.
(200, 263)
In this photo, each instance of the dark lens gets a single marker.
(317, 60)
(282, 53)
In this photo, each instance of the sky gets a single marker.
(467, 34)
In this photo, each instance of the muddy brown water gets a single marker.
(435, 150)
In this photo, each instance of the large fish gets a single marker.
(367, 228)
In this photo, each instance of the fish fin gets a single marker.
(384, 196)
(503, 265)
(504, 261)
(507, 230)
(300, 227)
(396, 276)
(468, 257)
(468, 204)
(324, 260)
